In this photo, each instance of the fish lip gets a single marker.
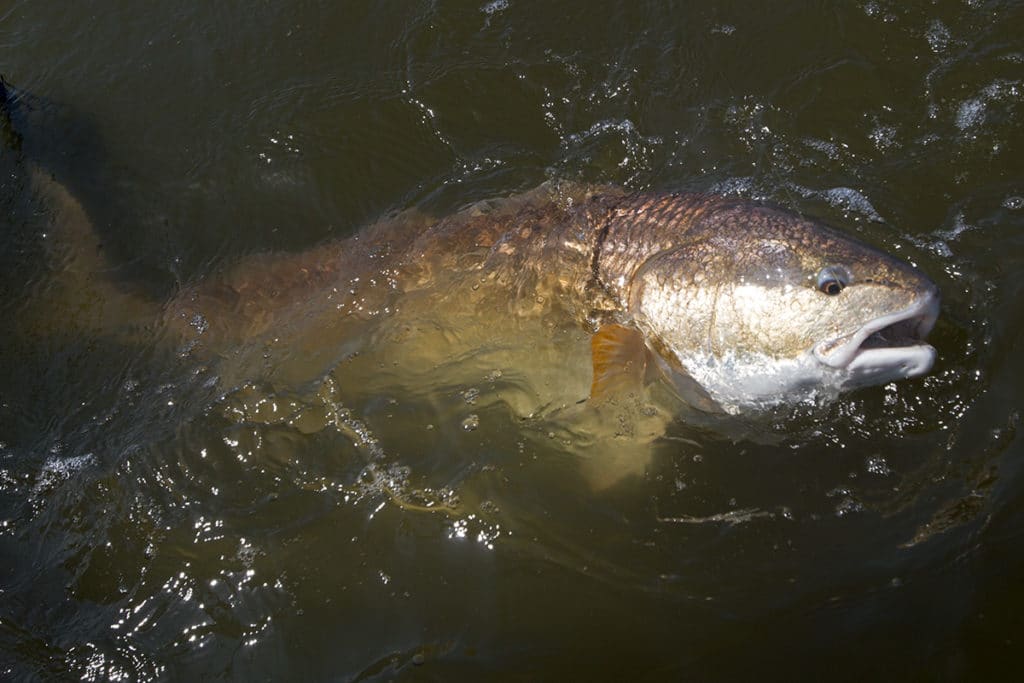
(923, 313)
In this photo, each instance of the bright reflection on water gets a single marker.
(429, 510)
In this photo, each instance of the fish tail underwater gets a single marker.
(82, 294)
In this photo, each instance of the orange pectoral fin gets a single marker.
(620, 358)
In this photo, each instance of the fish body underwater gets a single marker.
(731, 305)
(756, 305)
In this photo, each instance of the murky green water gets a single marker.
(152, 530)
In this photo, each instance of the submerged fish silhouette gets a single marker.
(733, 304)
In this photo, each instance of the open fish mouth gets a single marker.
(891, 346)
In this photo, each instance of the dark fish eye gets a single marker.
(831, 287)
(832, 280)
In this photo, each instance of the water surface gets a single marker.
(152, 528)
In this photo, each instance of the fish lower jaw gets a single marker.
(890, 363)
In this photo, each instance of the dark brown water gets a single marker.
(150, 530)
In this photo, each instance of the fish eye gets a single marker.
(832, 280)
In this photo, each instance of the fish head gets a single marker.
(760, 306)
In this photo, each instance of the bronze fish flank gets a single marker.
(735, 304)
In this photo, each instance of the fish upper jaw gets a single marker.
(889, 347)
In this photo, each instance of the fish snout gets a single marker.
(892, 343)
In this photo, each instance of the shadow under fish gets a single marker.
(606, 312)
